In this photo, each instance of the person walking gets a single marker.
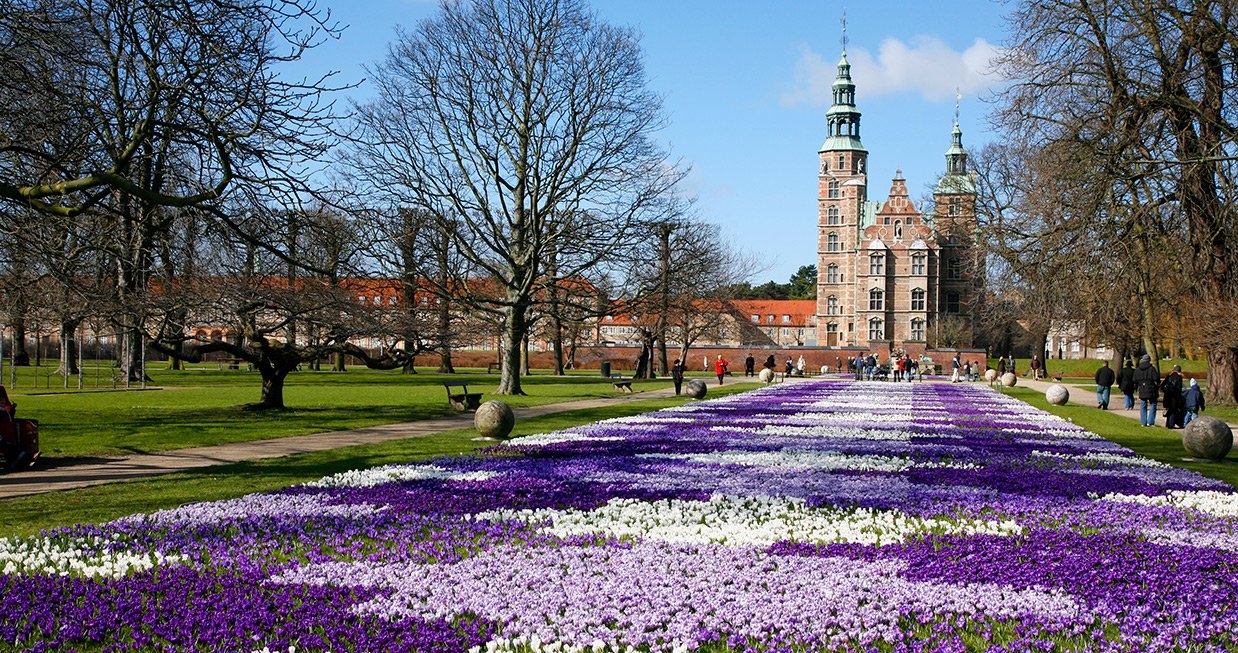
(1126, 383)
(677, 370)
(1172, 389)
(750, 365)
(1192, 402)
(788, 367)
(1148, 384)
(1035, 365)
(799, 364)
(1001, 366)
(1104, 382)
(720, 368)
(1010, 364)
(954, 378)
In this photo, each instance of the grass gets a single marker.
(207, 407)
(30, 515)
(1157, 443)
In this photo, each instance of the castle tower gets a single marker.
(842, 195)
(960, 267)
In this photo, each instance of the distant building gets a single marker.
(890, 276)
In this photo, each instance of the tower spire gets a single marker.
(844, 37)
(843, 118)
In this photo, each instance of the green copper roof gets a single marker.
(869, 217)
(843, 143)
(955, 185)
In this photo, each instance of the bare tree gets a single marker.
(525, 125)
(1140, 95)
(171, 103)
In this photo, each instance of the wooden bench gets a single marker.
(621, 384)
(491, 368)
(462, 400)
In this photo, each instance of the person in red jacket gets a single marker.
(720, 368)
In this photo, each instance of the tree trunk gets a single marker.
(509, 350)
(1222, 376)
(444, 335)
(21, 357)
(556, 335)
(338, 363)
(524, 354)
(272, 388)
(68, 347)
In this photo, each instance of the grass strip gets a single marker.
(1157, 442)
(29, 515)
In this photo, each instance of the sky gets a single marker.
(746, 85)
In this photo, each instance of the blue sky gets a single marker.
(746, 87)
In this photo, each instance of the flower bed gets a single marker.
(831, 515)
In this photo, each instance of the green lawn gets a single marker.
(1157, 443)
(207, 406)
(29, 515)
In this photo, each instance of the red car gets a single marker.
(19, 438)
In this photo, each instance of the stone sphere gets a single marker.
(1009, 379)
(766, 375)
(494, 419)
(696, 389)
(825, 369)
(990, 375)
(1057, 394)
(1208, 437)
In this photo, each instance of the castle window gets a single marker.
(953, 303)
(956, 206)
(833, 189)
(917, 299)
(831, 305)
(831, 243)
(876, 264)
(953, 269)
(832, 327)
(832, 215)
(917, 263)
(842, 161)
(917, 329)
(831, 273)
(876, 299)
(876, 329)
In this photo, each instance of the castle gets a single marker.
(889, 276)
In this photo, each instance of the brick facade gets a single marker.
(890, 276)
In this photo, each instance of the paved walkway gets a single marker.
(1086, 396)
(127, 468)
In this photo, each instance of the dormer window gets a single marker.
(756, 319)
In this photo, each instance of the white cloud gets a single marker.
(926, 65)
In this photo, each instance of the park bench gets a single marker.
(491, 368)
(462, 400)
(620, 383)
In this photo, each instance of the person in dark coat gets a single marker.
(1126, 383)
(1192, 402)
(1104, 382)
(750, 365)
(1148, 385)
(1172, 388)
(677, 370)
